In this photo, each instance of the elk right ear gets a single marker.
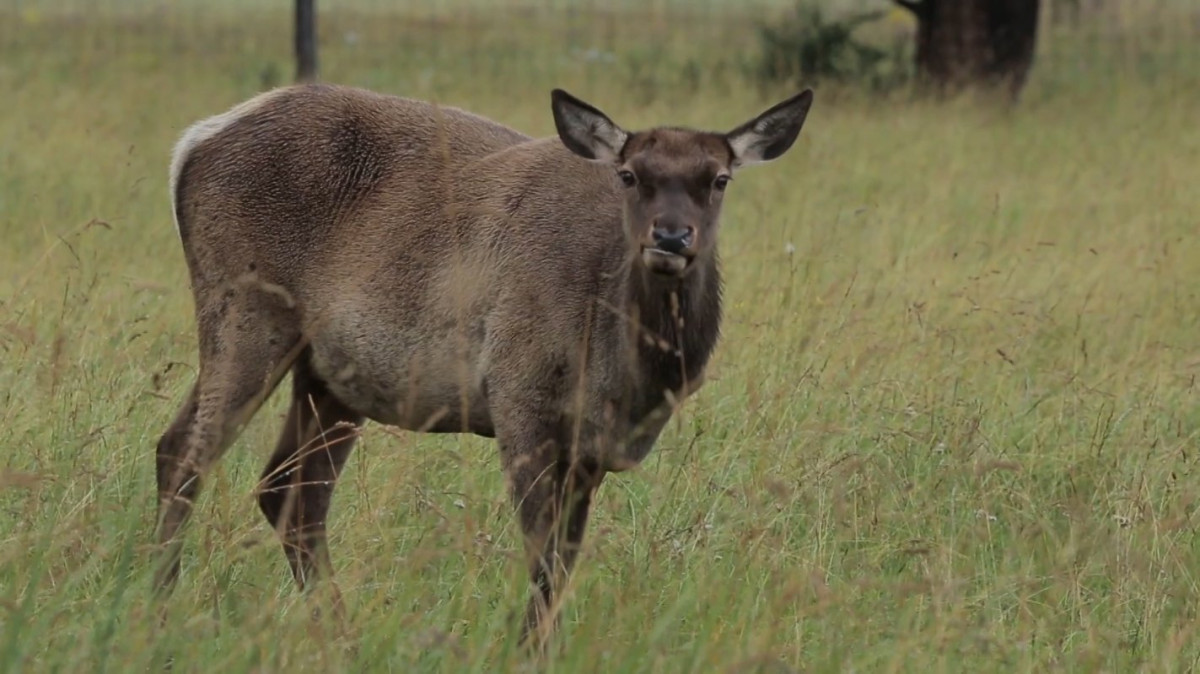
(585, 130)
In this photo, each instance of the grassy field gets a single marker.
(952, 424)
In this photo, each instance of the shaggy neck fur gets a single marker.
(679, 324)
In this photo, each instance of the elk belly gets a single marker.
(409, 393)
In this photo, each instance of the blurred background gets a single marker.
(424, 47)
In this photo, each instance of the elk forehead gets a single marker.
(669, 152)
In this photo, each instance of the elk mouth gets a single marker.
(665, 263)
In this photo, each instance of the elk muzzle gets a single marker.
(672, 249)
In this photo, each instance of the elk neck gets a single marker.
(677, 322)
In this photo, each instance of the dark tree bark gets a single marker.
(963, 43)
(306, 40)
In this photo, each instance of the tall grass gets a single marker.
(951, 426)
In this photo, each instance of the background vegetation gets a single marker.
(951, 426)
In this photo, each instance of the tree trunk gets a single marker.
(306, 40)
(962, 43)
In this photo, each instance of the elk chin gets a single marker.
(663, 263)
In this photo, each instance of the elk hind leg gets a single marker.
(298, 482)
(249, 337)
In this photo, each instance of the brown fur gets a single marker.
(430, 269)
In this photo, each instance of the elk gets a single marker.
(427, 268)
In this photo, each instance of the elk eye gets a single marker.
(627, 177)
(721, 183)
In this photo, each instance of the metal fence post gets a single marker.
(306, 40)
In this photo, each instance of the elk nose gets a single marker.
(673, 240)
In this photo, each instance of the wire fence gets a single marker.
(640, 42)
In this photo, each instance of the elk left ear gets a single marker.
(585, 130)
(769, 135)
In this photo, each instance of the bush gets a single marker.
(807, 47)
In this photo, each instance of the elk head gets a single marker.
(674, 180)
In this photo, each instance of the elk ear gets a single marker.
(585, 130)
(769, 135)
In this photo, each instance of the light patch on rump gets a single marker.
(202, 131)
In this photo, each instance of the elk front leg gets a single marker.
(553, 496)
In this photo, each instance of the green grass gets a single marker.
(952, 424)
